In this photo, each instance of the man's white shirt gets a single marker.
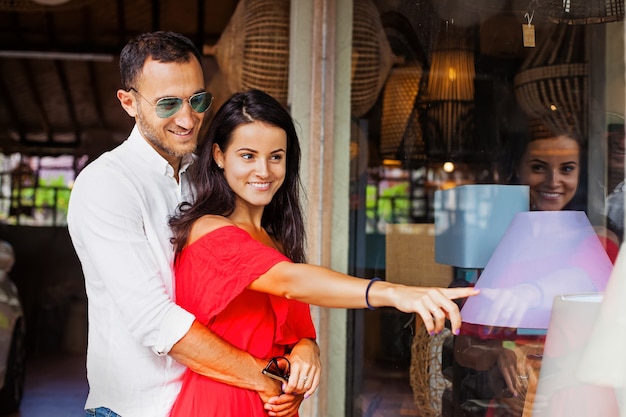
(118, 221)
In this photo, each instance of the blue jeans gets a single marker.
(101, 412)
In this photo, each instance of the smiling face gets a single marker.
(177, 135)
(254, 163)
(551, 167)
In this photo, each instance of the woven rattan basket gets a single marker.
(398, 102)
(581, 12)
(253, 50)
(372, 57)
(552, 83)
(427, 380)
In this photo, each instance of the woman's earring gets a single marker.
(219, 166)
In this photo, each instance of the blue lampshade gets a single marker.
(470, 220)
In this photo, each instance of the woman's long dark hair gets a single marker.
(282, 217)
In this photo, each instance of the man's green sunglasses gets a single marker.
(168, 106)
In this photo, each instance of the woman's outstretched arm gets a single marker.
(327, 288)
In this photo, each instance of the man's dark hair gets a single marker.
(160, 46)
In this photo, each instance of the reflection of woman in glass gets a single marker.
(551, 168)
(550, 164)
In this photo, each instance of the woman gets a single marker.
(550, 164)
(240, 255)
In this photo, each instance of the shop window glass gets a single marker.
(406, 156)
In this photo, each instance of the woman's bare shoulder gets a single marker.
(207, 224)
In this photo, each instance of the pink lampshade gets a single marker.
(542, 254)
(603, 361)
(561, 392)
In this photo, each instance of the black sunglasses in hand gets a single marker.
(273, 369)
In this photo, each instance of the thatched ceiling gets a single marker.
(58, 66)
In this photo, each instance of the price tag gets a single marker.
(528, 34)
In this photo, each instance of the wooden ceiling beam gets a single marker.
(121, 22)
(36, 97)
(14, 115)
(200, 24)
(65, 85)
(156, 15)
(92, 79)
(96, 97)
(49, 29)
(69, 101)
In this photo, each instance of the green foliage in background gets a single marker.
(391, 205)
(51, 189)
(51, 193)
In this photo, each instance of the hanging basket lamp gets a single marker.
(552, 83)
(372, 57)
(581, 12)
(253, 50)
(449, 96)
(399, 95)
(260, 57)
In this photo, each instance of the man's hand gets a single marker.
(512, 372)
(284, 405)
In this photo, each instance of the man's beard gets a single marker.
(153, 137)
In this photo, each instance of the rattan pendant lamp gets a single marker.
(253, 51)
(551, 84)
(372, 57)
(577, 12)
(449, 96)
(398, 139)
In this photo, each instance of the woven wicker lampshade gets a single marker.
(451, 75)
(253, 50)
(399, 96)
(450, 91)
(581, 12)
(372, 57)
(552, 83)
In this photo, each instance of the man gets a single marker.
(139, 339)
